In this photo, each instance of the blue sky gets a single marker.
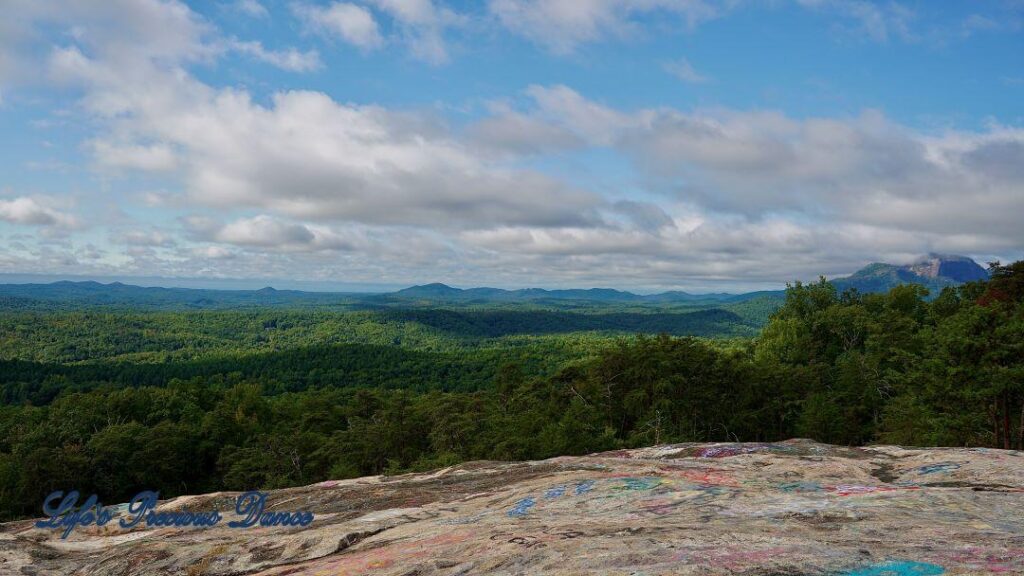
(641, 144)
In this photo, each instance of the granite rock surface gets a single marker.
(788, 508)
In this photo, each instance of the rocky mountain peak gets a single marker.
(952, 267)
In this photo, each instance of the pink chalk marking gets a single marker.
(733, 559)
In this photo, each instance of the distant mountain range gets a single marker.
(934, 271)
(444, 292)
(116, 294)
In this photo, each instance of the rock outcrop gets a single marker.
(951, 267)
(789, 508)
(934, 271)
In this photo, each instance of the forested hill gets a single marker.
(494, 323)
(295, 370)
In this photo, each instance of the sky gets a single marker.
(647, 145)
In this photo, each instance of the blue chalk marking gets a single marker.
(522, 507)
(942, 467)
(898, 568)
(554, 492)
(584, 487)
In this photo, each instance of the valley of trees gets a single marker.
(189, 402)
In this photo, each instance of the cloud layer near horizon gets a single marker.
(304, 184)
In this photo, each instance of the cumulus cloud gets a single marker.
(290, 59)
(562, 25)
(508, 131)
(297, 183)
(214, 252)
(422, 24)
(701, 252)
(152, 158)
(307, 156)
(151, 238)
(136, 36)
(251, 8)
(268, 232)
(865, 169)
(643, 215)
(153, 30)
(89, 252)
(31, 211)
(594, 123)
(304, 155)
(418, 24)
(352, 23)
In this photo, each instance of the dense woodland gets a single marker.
(186, 402)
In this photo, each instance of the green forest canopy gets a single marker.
(841, 368)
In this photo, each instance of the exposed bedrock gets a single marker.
(788, 508)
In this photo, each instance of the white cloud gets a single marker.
(214, 252)
(164, 30)
(595, 123)
(507, 131)
(157, 198)
(310, 157)
(977, 23)
(352, 23)
(683, 70)
(413, 12)
(305, 155)
(35, 212)
(89, 252)
(702, 252)
(423, 25)
(418, 24)
(562, 25)
(152, 158)
(251, 8)
(300, 184)
(877, 21)
(290, 59)
(151, 238)
(134, 36)
(864, 170)
(267, 232)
